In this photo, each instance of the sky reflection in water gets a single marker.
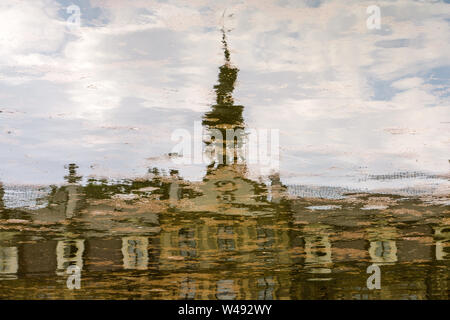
(89, 116)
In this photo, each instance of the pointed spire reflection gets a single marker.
(225, 188)
(72, 177)
(225, 115)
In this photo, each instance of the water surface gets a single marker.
(90, 177)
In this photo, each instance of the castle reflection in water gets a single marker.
(226, 237)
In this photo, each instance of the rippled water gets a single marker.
(346, 192)
(157, 239)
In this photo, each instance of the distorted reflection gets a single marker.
(69, 253)
(317, 250)
(225, 237)
(266, 286)
(187, 289)
(225, 290)
(442, 235)
(383, 248)
(135, 252)
(9, 263)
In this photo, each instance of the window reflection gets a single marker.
(135, 252)
(69, 253)
(9, 263)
